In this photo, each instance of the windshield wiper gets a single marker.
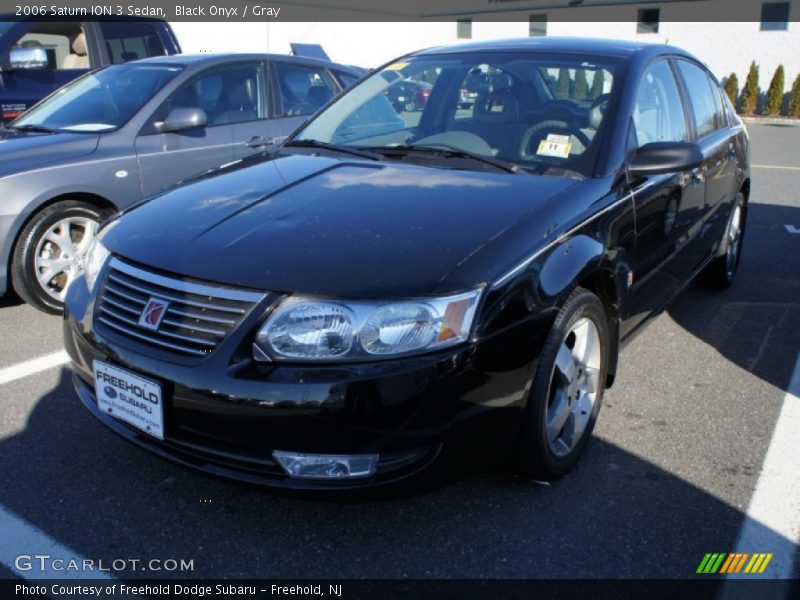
(34, 129)
(363, 153)
(446, 149)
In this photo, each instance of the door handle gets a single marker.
(259, 142)
(699, 175)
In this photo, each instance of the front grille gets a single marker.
(197, 319)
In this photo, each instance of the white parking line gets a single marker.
(780, 167)
(20, 538)
(772, 523)
(35, 365)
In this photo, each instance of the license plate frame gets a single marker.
(129, 397)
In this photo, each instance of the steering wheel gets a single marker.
(535, 134)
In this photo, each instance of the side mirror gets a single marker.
(664, 157)
(184, 119)
(28, 58)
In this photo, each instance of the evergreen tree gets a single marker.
(750, 91)
(562, 91)
(581, 85)
(732, 89)
(794, 103)
(775, 93)
(598, 83)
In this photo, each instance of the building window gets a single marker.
(648, 20)
(775, 16)
(537, 25)
(464, 29)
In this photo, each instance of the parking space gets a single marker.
(670, 475)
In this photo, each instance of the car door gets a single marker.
(714, 136)
(669, 207)
(300, 90)
(227, 95)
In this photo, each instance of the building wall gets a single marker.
(724, 46)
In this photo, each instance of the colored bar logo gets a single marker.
(736, 562)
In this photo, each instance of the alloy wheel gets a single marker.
(59, 254)
(574, 385)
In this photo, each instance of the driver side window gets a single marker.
(658, 115)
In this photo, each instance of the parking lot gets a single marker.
(670, 475)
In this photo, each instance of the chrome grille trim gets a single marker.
(198, 318)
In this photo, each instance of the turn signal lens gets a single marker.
(326, 466)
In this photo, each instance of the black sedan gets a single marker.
(377, 302)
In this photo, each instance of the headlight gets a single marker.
(310, 329)
(96, 257)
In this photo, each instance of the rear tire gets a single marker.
(49, 253)
(721, 272)
(567, 389)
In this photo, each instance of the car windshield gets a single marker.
(100, 101)
(543, 113)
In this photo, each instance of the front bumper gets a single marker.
(427, 417)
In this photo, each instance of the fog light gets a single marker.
(326, 466)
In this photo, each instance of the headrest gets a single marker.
(318, 95)
(243, 94)
(496, 107)
(79, 44)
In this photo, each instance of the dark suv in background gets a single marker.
(37, 58)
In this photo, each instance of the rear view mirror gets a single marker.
(665, 157)
(28, 58)
(184, 119)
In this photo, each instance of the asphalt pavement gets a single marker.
(669, 476)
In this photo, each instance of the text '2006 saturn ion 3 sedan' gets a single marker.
(378, 302)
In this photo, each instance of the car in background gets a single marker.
(37, 58)
(365, 308)
(119, 134)
(409, 95)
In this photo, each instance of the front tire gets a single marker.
(567, 389)
(49, 253)
(721, 272)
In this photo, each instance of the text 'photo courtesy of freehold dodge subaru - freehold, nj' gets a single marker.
(378, 305)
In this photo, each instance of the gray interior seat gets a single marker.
(496, 119)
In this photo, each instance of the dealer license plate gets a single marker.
(130, 398)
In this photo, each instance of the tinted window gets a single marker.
(658, 115)
(100, 101)
(227, 96)
(775, 16)
(346, 79)
(304, 90)
(706, 101)
(131, 41)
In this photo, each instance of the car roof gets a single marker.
(556, 45)
(219, 59)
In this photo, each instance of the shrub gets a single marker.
(562, 91)
(581, 85)
(750, 91)
(598, 83)
(732, 88)
(794, 103)
(775, 93)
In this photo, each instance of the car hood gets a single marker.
(21, 151)
(330, 227)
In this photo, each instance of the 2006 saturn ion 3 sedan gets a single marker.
(378, 301)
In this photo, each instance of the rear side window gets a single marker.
(346, 79)
(131, 41)
(303, 90)
(658, 115)
(705, 98)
